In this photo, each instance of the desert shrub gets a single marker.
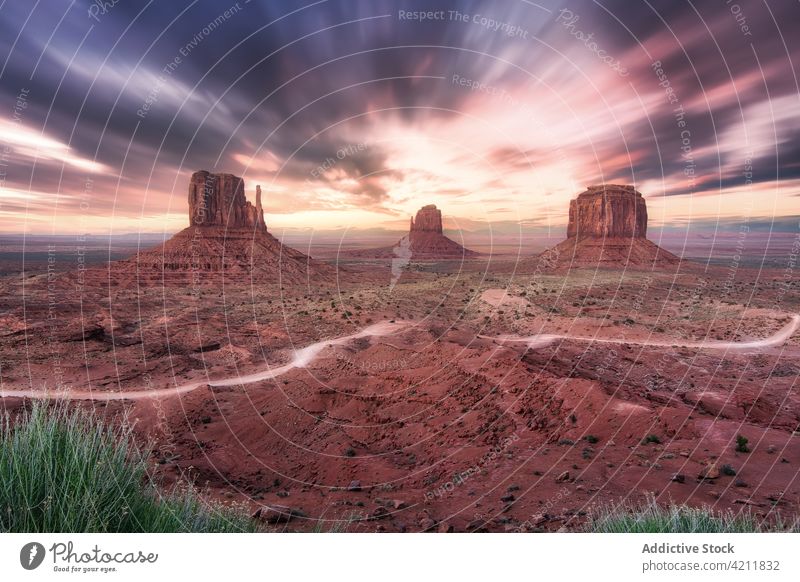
(653, 518)
(651, 438)
(66, 471)
(741, 444)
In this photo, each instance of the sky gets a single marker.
(352, 114)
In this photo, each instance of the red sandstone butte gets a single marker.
(425, 240)
(227, 235)
(429, 219)
(608, 227)
(219, 200)
(608, 211)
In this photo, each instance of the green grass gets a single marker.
(653, 518)
(651, 438)
(66, 471)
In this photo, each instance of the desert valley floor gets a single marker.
(420, 407)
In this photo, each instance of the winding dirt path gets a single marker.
(539, 340)
(302, 357)
(308, 354)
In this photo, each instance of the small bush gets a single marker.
(590, 438)
(741, 444)
(651, 438)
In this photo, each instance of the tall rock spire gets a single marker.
(259, 209)
(228, 237)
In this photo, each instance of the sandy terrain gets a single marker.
(470, 395)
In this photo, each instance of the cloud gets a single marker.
(277, 89)
(29, 146)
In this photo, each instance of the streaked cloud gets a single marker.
(489, 126)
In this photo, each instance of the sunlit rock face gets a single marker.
(428, 219)
(227, 237)
(608, 211)
(608, 228)
(219, 200)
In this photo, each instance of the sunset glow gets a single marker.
(494, 127)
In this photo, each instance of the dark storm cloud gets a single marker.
(722, 60)
(153, 90)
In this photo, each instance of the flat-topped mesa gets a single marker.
(219, 200)
(608, 228)
(608, 211)
(429, 219)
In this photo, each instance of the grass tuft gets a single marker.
(67, 471)
(650, 517)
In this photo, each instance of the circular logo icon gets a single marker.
(31, 555)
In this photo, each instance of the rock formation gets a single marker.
(608, 227)
(425, 240)
(608, 211)
(429, 219)
(227, 236)
(219, 200)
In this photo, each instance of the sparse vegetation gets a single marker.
(341, 525)
(66, 471)
(651, 438)
(741, 444)
(653, 518)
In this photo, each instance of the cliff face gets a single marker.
(219, 200)
(608, 228)
(429, 219)
(608, 211)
